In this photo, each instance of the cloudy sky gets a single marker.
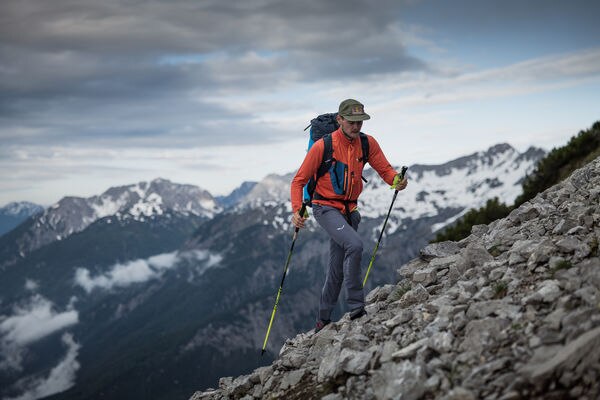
(101, 93)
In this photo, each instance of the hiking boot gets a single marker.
(321, 324)
(359, 312)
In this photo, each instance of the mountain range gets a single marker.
(157, 289)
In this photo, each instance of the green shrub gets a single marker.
(500, 289)
(399, 291)
(561, 162)
(492, 210)
(562, 264)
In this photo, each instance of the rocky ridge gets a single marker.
(511, 312)
(144, 200)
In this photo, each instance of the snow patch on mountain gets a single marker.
(105, 206)
(458, 185)
(133, 202)
(21, 209)
(461, 184)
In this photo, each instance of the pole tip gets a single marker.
(262, 352)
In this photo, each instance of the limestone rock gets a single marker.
(580, 353)
(417, 294)
(426, 276)
(404, 380)
(355, 362)
(438, 250)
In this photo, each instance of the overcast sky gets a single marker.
(95, 94)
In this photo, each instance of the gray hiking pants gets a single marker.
(345, 252)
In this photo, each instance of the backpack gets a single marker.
(322, 127)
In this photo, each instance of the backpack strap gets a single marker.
(364, 143)
(326, 162)
(327, 156)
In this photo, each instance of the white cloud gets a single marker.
(35, 321)
(142, 270)
(60, 378)
(163, 261)
(29, 323)
(451, 85)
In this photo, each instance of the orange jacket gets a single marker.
(349, 152)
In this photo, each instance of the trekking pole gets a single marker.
(285, 269)
(402, 172)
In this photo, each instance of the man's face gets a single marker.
(350, 129)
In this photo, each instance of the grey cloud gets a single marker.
(149, 27)
(122, 73)
(125, 73)
(532, 22)
(92, 41)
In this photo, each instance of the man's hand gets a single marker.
(399, 184)
(298, 220)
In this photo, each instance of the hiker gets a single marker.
(334, 205)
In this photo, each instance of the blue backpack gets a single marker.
(321, 128)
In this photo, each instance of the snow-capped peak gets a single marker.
(21, 209)
(138, 201)
(461, 184)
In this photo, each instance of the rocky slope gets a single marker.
(511, 312)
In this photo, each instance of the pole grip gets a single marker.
(302, 209)
(403, 171)
(301, 212)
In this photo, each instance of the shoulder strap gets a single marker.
(326, 162)
(327, 156)
(364, 142)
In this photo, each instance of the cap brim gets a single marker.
(354, 118)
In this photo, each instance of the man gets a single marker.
(335, 205)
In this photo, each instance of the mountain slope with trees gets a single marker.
(553, 168)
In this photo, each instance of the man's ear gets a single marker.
(339, 119)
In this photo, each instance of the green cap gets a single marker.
(353, 110)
